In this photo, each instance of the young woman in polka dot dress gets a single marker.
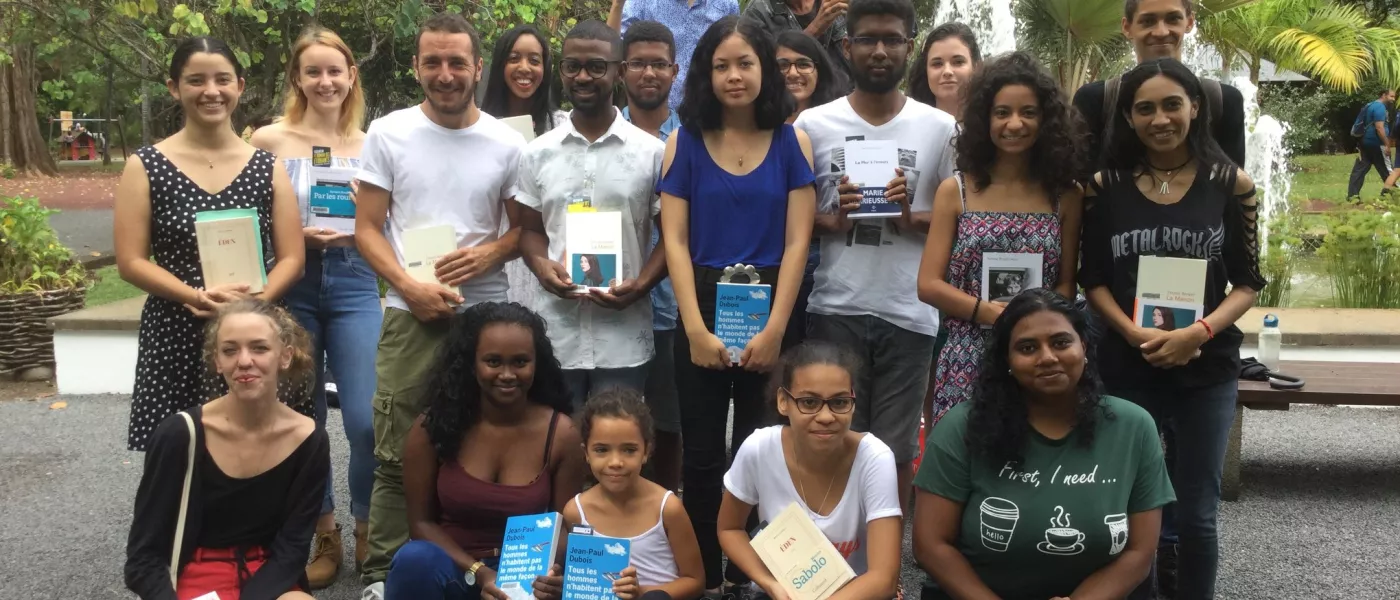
(160, 192)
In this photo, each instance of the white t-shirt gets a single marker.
(760, 477)
(872, 270)
(437, 176)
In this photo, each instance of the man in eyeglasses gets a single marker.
(600, 168)
(872, 233)
(824, 20)
(649, 56)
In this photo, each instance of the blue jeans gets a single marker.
(423, 571)
(583, 383)
(1202, 418)
(337, 301)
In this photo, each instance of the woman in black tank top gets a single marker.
(1169, 191)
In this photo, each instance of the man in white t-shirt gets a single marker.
(595, 165)
(443, 162)
(865, 291)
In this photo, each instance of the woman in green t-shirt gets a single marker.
(1031, 489)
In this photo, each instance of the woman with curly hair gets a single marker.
(1041, 486)
(1015, 193)
(495, 441)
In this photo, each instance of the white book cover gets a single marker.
(423, 247)
(230, 249)
(871, 165)
(800, 557)
(593, 248)
(329, 199)
(1171, 292)
(1006, 274)
(525, 124)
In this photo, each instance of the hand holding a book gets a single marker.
(774, 589)
(429, 301)
(318, 237)
(1174, 348)
(761, 354)
(617, 297)
(848, 201)
(707, 351)
(554, 278)
(550, 586)
(211, 300)
(462, 264)
(625, 587)
(897, 192)
(486, 578)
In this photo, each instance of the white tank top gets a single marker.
(651, 551)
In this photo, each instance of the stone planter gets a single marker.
(26, 342)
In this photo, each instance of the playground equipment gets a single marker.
(77, 142)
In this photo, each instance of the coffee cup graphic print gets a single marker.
(1061, 539)
(999, 517)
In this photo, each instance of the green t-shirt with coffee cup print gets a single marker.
(1036, 530)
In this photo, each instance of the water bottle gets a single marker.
(1270, 338)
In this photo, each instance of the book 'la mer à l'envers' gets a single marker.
(230, 248)
(1171, 292)
(423, 247)
(591, 565)
(800, 557)
(527, 551)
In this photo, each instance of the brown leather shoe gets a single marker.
(325, 559)
(361, 544)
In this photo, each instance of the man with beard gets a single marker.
(865, 291)
(648, 58)
(443, 162)
(598, 164)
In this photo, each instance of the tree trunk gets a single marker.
(145, 110)
(27, 149)
(1254, 70)
(107, 127)
(6, 129)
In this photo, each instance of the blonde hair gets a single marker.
(352, 111)
(300, 374)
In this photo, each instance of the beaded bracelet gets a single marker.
(975, 308)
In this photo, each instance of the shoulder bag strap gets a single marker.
(184, 502)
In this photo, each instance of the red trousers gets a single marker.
(216, 570)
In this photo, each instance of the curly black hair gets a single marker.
(917, 83)
(1057, 158)
(998, 424)
(700, 108)
(453, 395)
(618, 403)
(497, 99)
(830, 82)
(1126, 150)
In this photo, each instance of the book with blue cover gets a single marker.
(741, 312)
(527, 551)
(592, 564)
(329, 201)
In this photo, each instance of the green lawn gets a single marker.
(107, 287)
(1324, 177)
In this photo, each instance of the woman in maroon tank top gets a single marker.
(494, 442)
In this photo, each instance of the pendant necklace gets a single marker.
(802, 489)
(741, 155)
(1172, 173)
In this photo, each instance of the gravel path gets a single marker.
(1319, 518)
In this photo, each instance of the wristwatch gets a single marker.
(471, 573)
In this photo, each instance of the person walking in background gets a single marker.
(649, 58)
(337, 300)
(687, 19)
(411, 178)
(736, 189)
(823, 20)
(1372, 142)
(602, 333)
(865, 293)
(157, 201)
(945, 67)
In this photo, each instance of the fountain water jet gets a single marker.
(991, 20)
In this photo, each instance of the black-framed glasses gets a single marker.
(804, 65)
(811, 405)
(596, 67)
(890, 41)
(638, 65)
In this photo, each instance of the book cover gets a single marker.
(592, 564)
(1006, 274)
(230, 248)
(527, 551)
(1171, 292)
(593, 248)
(329, 199)
(423, 247)
(741, 311)
(871, 164)
(798, 554)
(524, 124)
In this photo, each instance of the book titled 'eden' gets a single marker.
(801, 558)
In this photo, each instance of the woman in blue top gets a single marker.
(736, 189)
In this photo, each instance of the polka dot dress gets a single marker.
(171, 374)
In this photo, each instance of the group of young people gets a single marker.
(504, 389)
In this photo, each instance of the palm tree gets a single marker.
(1335, 43)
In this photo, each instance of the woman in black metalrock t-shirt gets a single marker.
(1169, 191)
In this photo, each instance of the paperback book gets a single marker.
(230, 248)
(593, 248)
(1006, 274)
(423, 247)
(524, 124)
(592, 564)
(871, 164)
(798, 554)
(1171, 292)
(330, 203)
(741, 312)
(527, 551)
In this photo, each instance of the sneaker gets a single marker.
(1166, 572)
(373, 591)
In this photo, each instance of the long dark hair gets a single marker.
(497, 100)
(700, 109)
(830, 82)
(918, 75)
(453, 395)
(594, 274)
(998, 424)
(1126, 150)
(1059, 151)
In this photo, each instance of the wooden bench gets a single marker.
(1366, 384)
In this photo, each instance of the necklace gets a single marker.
(1171, 173)
(803, 490)
(741, 154)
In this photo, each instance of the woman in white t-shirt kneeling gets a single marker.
(844, 479)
